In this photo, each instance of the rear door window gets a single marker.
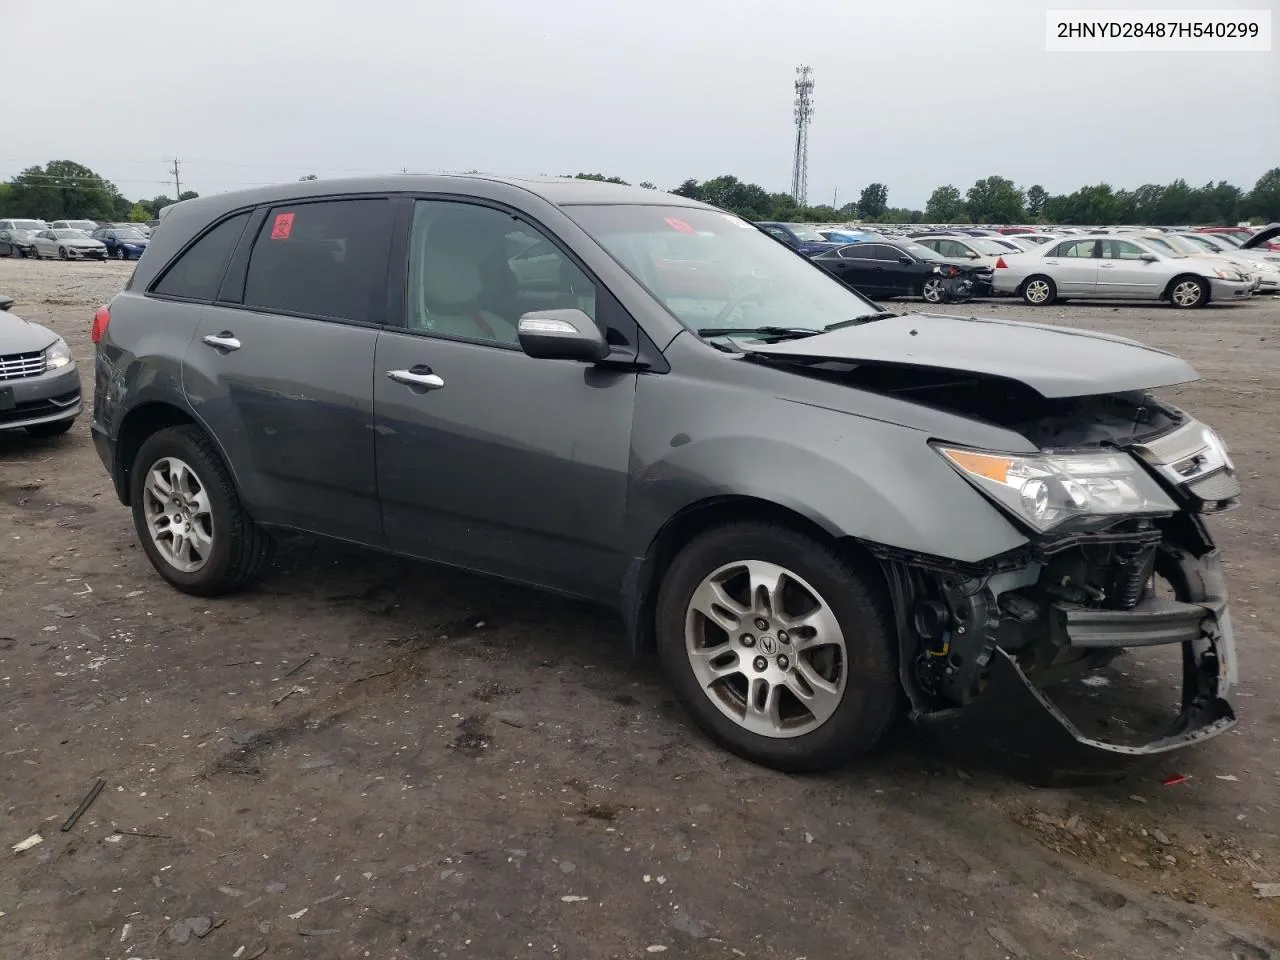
(326, 259)
(197, 273)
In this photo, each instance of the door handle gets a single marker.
(222, 341)
(419, 376)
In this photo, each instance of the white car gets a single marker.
(1266, 275)
(1117, 268)
(1214, 242)
(67, 244)
(88, 226)
(979, 250)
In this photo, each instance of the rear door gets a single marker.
(1073, 267)
(857, 267)
(488, 458)
(281, 366)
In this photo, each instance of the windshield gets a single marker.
(1234, 239)
(70, 234)
(920, 251)
(806, 233)
(29, 225)
(1205, 242)
(745, 278)
(1182, 244)
(990, 247)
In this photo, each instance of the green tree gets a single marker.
(188, 195)
(598, 176)
(139, 214)
(1036, 198)
(1264, 198)
(873, 201)
(945, 206)
(63, 189)
(648, 185)
(995, 200)
(309, 176)
(1175, 203)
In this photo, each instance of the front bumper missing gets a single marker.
(1012, 724)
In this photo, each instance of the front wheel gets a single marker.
(120, 254)
(188, 515)
(62, 253)
(1188, 293)
(934, 290)
(1039, 290)
(780, 648)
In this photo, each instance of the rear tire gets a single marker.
(1039, 290)
(57, 428)
(238, 548)
(846, 663)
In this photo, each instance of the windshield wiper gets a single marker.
(882, 315)
(775, 333)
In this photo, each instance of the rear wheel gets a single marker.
(189, 517)
(778, 646)
(1188, 293)
(1039, 290)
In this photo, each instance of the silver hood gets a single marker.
(1053, 361)
(22, 336)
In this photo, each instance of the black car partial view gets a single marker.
(888, 269)
(122, 243)
(816, 512)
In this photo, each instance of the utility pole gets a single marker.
(835, 199)
(177, 184)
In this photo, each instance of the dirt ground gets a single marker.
(366, 757)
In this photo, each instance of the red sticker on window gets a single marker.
(282, 227)
(679, 225)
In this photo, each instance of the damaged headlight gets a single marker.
(1194, 459)
(1047, 490)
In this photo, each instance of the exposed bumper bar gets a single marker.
(1152, 622)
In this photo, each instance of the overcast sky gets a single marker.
(911, 93)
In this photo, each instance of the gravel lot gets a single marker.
(367, 757)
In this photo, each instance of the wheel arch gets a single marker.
(1167, 294)
(644, 578)
(143, 421)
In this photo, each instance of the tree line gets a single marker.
(64, 189)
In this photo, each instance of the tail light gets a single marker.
(1000, 264)
(101, 318)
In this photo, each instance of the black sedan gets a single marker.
(902, 268)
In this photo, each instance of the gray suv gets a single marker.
(815, 510)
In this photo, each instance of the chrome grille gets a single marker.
(15, 366)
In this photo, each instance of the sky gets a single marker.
(910, 93)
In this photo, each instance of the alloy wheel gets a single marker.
(179, 515)
(1187, 293)
(766, 649)
(932, 290)
(1037, 291)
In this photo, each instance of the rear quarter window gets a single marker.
(197, 273)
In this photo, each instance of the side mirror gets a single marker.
(907, 261)
(562, 335)
(972, 256)
(1150, 257)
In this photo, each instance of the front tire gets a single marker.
(1039, 290)
(1188, 293)
(62, 253)
(934, 290)
(779, 647)
(189, 518)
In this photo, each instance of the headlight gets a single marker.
(1195, 460)
(57, 355)
(1047, 490)
(1226, 274)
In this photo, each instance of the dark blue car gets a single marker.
(123, 243)
(801, 237)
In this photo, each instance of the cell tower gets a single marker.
(804, 115)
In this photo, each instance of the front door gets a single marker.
(281, 367)
(487, 458)
(1122, 273)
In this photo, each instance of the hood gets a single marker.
(1265, 235)
(21, 336)
(1052, 361)
(82, 242)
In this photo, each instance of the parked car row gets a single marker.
(39, 381)
(65, 239)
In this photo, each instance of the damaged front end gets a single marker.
(981, 644)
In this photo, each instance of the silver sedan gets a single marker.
(1118, 268)
(67, 244)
